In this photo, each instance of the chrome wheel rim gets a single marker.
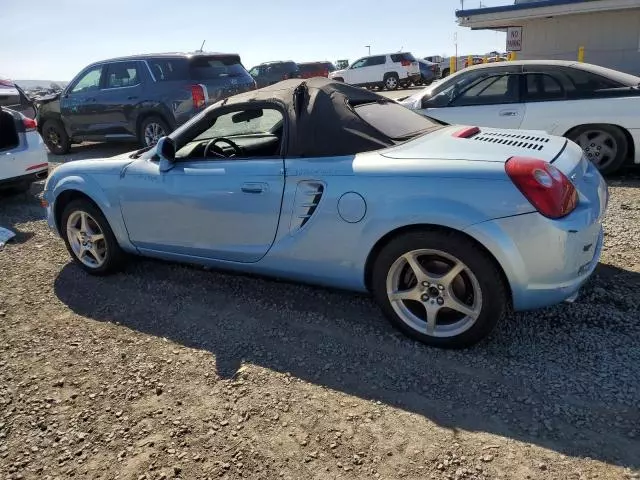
(434, 293)
(392, 82)
(86, 239)
(599, 147)
(152, 133)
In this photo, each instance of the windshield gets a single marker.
(394, 120)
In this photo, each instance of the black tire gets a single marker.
(148, 122)
(445, 73)
(339, 79)
(55, 137)
(618, 140)
(391, 81)
(114, 255)
(493, 291)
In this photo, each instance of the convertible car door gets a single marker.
(226, 209)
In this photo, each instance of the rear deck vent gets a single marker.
(531, 142)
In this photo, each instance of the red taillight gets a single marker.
(197, 93)
(30, 124)
(405, 63)
(546, 187)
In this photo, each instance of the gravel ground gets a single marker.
(168, 371)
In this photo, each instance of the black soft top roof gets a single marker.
(322, 121)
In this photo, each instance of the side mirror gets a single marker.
(166, 151)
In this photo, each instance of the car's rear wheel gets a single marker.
(55, 137)
(89, 238)
(604, 145)
(339, 79)
(439, 288)
(391, 82)
(151, 130)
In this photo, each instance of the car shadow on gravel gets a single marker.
(564, 378)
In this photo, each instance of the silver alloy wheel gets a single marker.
(425, 288)
(86, 239)
(599, 147)
(391, 83)
(152, 133)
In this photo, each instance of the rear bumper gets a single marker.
(545, 261)
(24, 180)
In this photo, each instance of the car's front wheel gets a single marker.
(439, 288)
(89, 238)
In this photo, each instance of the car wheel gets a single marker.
(391, 82)
(439, 288)
(89, 238)
(55, 137)
(604, 145)
(445, 73)
(151, 130)
(339, 79)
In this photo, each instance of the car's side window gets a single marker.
(359, 63)
(541, 87)
(492, 90)
(444, 93)
(122, 74)
(90, 81)
(373, 61)
(253, 132)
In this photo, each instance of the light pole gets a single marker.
(369, 47)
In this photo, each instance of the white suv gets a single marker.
(388, 71)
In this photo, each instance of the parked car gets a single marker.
(428, 72)
(389, 71)
(274, 183)
(24, 158)
(15, 98)
(594, 106)
(315, 69)
(139, 98)
(269, 73)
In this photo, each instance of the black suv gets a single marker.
(138, 98)
(269, 73)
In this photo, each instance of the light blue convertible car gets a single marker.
(320, 182)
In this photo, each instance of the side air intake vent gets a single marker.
(306, 203)
(531, 142)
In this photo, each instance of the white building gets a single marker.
(609, 30)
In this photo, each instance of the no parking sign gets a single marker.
(514, 39)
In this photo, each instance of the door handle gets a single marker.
(133, 97)
(508, 113)
(254, 187)
(92, 99)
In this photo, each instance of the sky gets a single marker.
(54, 40)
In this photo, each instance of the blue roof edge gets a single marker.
(514, 8)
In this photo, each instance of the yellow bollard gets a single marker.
(485, 59)
(469, 61)
(453, 61)
(581, 54)
(512, 56)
